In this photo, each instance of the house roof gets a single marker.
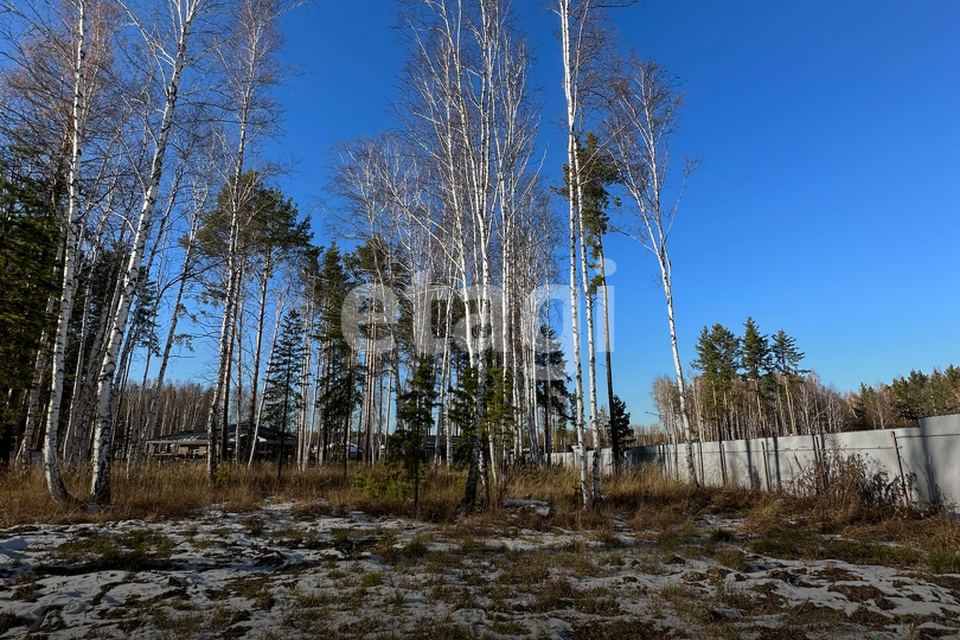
(191, 436)
(199, 436)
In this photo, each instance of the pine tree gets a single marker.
(910, 395)
(336, 393)
(598, 170)
(757, 363)
(283, 384)
(786, 361)
(718, 352)
(552, 392)
(28, 253)
(620, 430)
(415, 419)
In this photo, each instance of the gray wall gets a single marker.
(928, 462)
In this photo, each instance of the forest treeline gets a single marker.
(140, 221)
(752, 385)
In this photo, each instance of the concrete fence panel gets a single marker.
(917, 465)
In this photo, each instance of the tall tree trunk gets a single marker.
(667, 280)
(370, 360)
(100, 484)
(570, 93)
(445, 380)
(27, 444)
(258, 349)
(72, 223)
(786, 391)
(260, 408)
(303, 424)
(615, 442)
(531, 386)
(591, 348)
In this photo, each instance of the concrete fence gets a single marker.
(920, 465)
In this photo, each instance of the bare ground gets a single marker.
(295, 571)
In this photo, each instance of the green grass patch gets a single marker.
(132, 551)
(944, 562)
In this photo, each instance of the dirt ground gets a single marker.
(289, 571)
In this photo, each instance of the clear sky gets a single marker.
(829, 201)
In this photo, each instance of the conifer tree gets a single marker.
(28, 252)
(552, 392)
(786, 361)
(620, 431)
(757, 362)
(335, 395)
(718, 352)
(415, 419)
(598, 170)
(282, 391)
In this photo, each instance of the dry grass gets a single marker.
(151, 494)
(644, 498)
(158, 491)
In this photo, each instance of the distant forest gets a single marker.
(754, 385)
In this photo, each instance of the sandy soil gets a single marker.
(282, 572)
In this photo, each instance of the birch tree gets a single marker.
(644, 116)
(72, 231)
(172, 58)
(199, 188)
(456, 113)
(576, 29)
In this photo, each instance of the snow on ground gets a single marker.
(282, 572)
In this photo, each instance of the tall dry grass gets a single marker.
(171, 490)
(152, 493)
(644, 497)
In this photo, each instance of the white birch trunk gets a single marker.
(570, 93)
(100, 484)
(51, 466)
(667, 280)
(647, 106)
(591, 346)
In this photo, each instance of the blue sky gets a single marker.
(829, 201)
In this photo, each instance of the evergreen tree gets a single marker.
(620, 430)
(415, 419)
(863, 408)
(493, 427)
(599, 170)
(718, 356)
(943, 392)
(553, 395)
(500, 418)
(28, 252)
(283, 383)
(910, 395)
(757, 362)
(786, 362)
(337, 395)
(786, 356)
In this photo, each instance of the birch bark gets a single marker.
(51, 466)
(100, 483)
(575, 218)
(645, 114)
